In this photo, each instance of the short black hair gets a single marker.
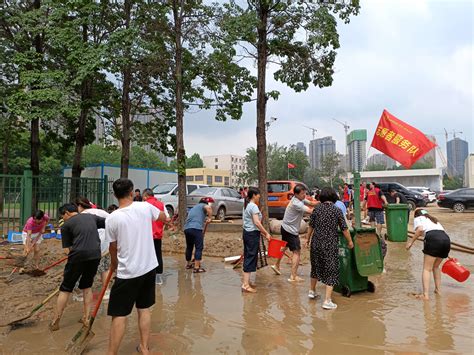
(137, 190)
(328, 194)
(67, 207)
(122, 187)
(392, 190)
(38, 215)
(298, 188)
(112, 208)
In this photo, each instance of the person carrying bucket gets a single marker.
(253, 229)
(436, 247)
(32, 234)
(290, 228)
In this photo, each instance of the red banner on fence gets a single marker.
(400, 141)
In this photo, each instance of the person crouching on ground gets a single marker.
(290, 229)
(149, 196)
(253, 228)
(198, 217)
(79, 234)
(130, 234)
(436, 247)
(32, 235)
(85, 206)
(323, 237)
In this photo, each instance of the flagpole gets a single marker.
(288, 166)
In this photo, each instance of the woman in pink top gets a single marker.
(33, 234)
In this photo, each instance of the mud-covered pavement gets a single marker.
(207, 313)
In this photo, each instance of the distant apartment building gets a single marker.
(457, 152)
(356, 142)
(301, 147)
(318, 149)
(381, 159)
(234, 164)
(208, 176)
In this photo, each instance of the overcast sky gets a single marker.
(411, 57)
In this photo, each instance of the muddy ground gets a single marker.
(24, 292)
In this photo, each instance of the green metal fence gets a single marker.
(21, 195)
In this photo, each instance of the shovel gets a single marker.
(38, 272)
(34, 310)
(82, 338)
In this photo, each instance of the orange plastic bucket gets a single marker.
(275, 248)
(453, 268)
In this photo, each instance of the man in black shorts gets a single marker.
(290, 228)
(78, 234)
(129, 231)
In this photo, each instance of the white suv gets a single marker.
(168, 194)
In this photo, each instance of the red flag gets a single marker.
(291, 166)
(400, 141)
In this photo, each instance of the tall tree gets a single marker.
(194, 161)
(298, 37)
(330, 163)
(200, 71)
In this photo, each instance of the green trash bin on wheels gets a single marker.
(397, 221)
(355, 265)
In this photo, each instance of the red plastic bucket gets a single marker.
(453, 268)
(275, 248)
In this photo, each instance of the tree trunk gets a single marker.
(126, 105)
(262, 54)
(86, 93)
(35, 126)
(4, 171)
(180, 151)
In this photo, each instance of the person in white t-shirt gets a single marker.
(132, 252)
(436, 247)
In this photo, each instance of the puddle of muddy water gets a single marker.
(207, 314)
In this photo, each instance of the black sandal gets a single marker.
(190, 266)
(199, 270)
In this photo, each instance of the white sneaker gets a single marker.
(313, 295)
(77, 297)
(159, 279)
(329, 305)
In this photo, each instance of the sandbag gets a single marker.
(275, 227)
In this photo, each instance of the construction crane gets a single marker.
(314, 130)
(446, 133)
(346, 129)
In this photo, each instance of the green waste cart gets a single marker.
(397, 221)
(355, 265)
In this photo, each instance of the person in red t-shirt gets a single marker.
(374, 201)
(158, 226)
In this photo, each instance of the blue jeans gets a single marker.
(194, 239)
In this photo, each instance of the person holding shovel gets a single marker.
(130, 233)
(290, 228)
(149, 197)
(79, 235)
(33, 234)
(198, 218)
(85, 206)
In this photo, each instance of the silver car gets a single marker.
(223, 200)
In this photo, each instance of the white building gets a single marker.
(469, 171)
(235, 164)
(356, 142)
(318, 149)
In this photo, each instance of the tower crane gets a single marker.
(314, 130)
(346, 129)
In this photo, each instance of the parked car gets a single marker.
(425, 191)
(224, 201)
(458, 200)
(414, 199)
(168, 194)
(280, 192)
